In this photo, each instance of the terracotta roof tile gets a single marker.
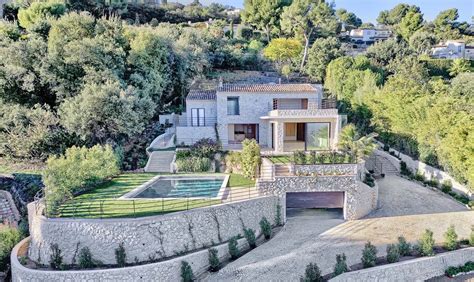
(201, 95)
(267, 88)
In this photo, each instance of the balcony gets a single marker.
(184, 121)
(310, 113)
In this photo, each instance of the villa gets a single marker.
(281, 117)
(368, 36)
(453, 49)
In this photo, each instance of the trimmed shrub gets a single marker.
(78, 170)
(233, 248)
(249, 235)
(85, 258)
(454, 270)
(393, 253)
(55, 259)
(447, 186)
(214, 263)
(278, 215)
(299, 157)
(386, 147)
(312, 157)
(369, 255)
(341, 265)
(312, 273)
(426, 243)
(187, 274)
(250, 158)
(121, 256)
(419, 176)
(205, 148)
(404, 170)
(9, 237)
(266, 228)
(451, 239)
(404, 248)
(193, 164)
(182, 154)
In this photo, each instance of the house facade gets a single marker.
(453, 49)
(369, 36)
(281, 117)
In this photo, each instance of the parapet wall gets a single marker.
(146, 238)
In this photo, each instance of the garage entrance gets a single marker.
(310, 200)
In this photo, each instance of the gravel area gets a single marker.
(399, 196)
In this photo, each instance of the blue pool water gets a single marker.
(168, 187)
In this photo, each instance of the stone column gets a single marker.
(279, 138)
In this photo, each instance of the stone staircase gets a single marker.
(160, 161)
(380, 164)
(283, 170)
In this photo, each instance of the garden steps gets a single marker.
(380, 164)
(160, 161)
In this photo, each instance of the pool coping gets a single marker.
(220, 194)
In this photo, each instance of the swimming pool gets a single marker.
(180, 187)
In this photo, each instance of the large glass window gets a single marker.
(233, 106)
(197, 117)
(317, 136)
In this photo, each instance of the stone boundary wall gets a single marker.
(169, 270)
(360, 199)
(411, 270)
(427, 170)
(145, 238)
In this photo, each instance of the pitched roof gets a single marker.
(267, 88)
(197, 94)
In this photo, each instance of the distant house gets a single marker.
(281, 117)
(453, 49)
(368, 36)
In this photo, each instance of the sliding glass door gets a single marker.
(317, 136)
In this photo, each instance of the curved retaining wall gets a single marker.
(169, 270)
(410, 270)
(360, 199)
(146, 238)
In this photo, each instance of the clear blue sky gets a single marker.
(368, 10)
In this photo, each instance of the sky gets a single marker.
(368, 10)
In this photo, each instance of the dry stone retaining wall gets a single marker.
(410, 270)
(169, 270)
(146, 238)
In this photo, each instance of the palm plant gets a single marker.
(350, 141)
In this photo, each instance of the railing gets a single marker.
(329, 103)
(139, 207)
(196, 122)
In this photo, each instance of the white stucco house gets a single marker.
(369, 36)
(453, 49)
(281, 117)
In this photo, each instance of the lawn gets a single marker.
(102, 202)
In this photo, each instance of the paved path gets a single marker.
(398, 196)
(317, 236)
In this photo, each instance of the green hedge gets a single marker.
(193, 164)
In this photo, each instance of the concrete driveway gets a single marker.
(318, 235)
(398, 196)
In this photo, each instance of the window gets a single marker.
(233, 106)
(317, 136)
(197, 117)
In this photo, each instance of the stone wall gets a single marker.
(360, 199)
(169, 270)
(410, 270)
(154, 237)
(328, 169)
(427, 170)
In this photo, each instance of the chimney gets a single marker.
(221, 83)
(279, 80)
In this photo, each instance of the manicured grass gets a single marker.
(238, 180)
(280, 159)
(102, 202)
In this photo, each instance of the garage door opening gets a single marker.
(315, 200)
